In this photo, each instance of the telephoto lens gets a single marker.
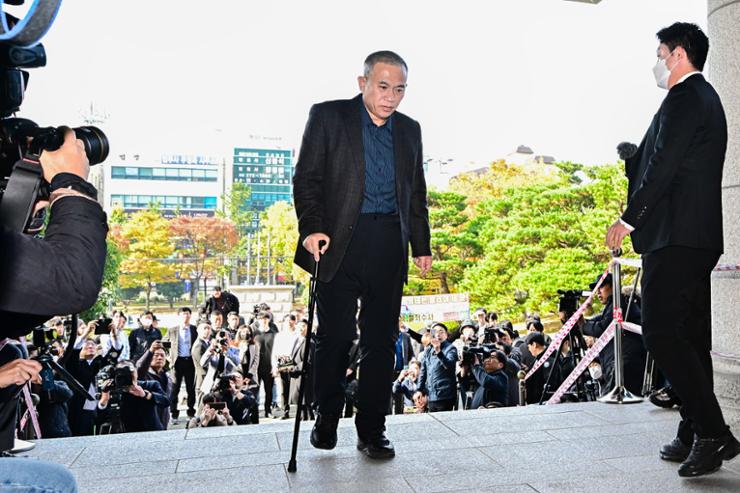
(96, 143)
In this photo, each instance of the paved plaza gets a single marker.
(588, 447)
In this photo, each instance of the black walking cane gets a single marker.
(306, 362)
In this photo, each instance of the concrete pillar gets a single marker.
(724, 74)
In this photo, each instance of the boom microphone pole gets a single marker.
(306, 361)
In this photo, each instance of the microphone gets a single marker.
(626, 150)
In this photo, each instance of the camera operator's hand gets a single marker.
(18, 372)
(136, 390)
(209, 414)
(104, 398)
(350, 371)
(436, 344)
(403, 375)
(70, 158)
(89, 329)
(311, 243)
(156, 345)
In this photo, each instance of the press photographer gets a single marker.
(493, 384)
(633, 348)
(135, 405)
(84, 364)
(234, 390)
(151, 366)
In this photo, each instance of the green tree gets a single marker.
(202, 243)
(147, 251)
(173, 291)
(543, 236)
(454, 247)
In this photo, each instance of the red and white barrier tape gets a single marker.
(590, 355)
(726, 267)
(565, 330)
(636, 262)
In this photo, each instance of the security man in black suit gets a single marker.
(674, 215)
(359, 186)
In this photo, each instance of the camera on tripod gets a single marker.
(21, 140)
(114, 379)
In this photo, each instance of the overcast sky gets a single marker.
(180, 76)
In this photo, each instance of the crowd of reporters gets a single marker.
(226, 366)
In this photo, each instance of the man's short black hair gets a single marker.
(184, 309)
(263, 315)
(217, 288)
(535, 338)
(688, 36)
(217, 312)
(233, 313)
(500, 356)
(384, 56)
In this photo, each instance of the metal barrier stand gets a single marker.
(619, 394)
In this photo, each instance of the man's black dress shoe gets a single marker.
(324, 433)
(665, 398)
(376, 446)
(707, 455)
(675, 451)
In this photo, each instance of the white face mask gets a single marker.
(662, 72)
(595, 371)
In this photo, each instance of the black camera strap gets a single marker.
(21, 194)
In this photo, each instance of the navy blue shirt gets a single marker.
(380, 166)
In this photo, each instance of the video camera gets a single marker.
(483, 351)
(568, 301)
(113, 379)
(21, 140)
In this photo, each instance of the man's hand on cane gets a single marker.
(311, 243)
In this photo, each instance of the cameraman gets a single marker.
(116, 339)
(151, 366)
(437, 378)
(84, 364)
(406, 386)
(214, 413)
(493, 384)
(72, 251)
(240, 401)
(219, 359)
(141, 403)
(633, 348)
(20, 473)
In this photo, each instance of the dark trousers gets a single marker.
(285, 379)
(372, 271)
(676, 319)
(184, 370)
(267, 381)
(437, 406)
